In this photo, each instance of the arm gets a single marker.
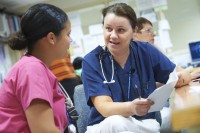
(184, 77)
(40, 117)
(195, 74)
(160, 61)
(107, 107)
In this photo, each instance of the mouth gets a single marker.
(151, 39)
(113, 43)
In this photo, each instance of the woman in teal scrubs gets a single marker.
(119, 76)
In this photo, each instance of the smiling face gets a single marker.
(117, 33)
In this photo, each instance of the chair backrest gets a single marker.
(81, 107)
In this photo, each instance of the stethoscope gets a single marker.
(106, 52)
(102, 70)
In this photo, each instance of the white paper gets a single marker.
(194, 90)
(161, 94)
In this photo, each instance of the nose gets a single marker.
(154, 34)
(70, 39)
(113, 34)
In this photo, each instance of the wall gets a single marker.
(184, 22)
(90, 17)
(183, 17)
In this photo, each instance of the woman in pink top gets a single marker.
(30, 98)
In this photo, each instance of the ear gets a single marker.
(135, 36)
(51, 38)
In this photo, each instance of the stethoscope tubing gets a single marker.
(113, 72)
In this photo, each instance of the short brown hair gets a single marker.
(121, 9)
(141, 21)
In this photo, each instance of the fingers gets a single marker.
(144, 101)
(142, 106)
(143, 109)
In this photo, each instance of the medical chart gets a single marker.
(161, 94)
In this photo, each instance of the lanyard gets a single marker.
(129, 84)
(137, 90)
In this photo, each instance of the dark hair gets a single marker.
(77, 63)
(121, 9)
(36, 23)
(140, 22)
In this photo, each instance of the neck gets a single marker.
(42, 53)
(122, 57)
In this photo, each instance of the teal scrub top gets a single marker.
(153, 67)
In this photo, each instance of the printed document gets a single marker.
(161, 94)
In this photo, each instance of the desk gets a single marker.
(186, 108)
(193, 69)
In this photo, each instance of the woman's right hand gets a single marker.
(106, 107)
(141, 106)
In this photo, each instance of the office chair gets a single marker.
(81, 107)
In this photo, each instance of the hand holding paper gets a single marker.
(161, 94)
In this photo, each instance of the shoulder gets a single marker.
(31, 63)
(94, 54)
(29, 66)
(142, 45)
(143, 48)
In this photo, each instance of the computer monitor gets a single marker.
(194, 48)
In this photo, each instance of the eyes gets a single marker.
(149, 31)
(68, 35)
(118, 30)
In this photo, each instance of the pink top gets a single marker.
(29, 79)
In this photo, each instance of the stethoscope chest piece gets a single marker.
(110, 82)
